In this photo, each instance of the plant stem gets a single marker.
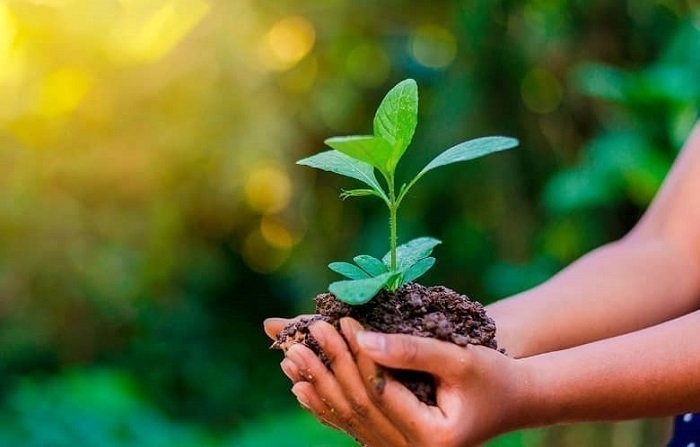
(393, 208)
(393, 236)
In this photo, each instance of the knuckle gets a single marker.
(407, 351)
(308, 375)
(360, 407)
(346, 417)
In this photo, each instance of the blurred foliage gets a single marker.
(97, 409)
(151, 214)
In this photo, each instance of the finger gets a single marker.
(397, 403)
(313, 371)
(343, 366)
(309, 400)
(291, 370)
(348, 378)
(273, 326)
(444, 360)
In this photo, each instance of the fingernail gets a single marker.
(371, 341)
(273, 320)
(295, 356)
(289, 367)
(349, 329)
(301, 397)
(317, 333)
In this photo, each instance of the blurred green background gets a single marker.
(151, 214)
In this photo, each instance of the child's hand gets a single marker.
(480, 392)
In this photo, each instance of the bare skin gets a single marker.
(608, 338)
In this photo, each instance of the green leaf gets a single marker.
(348, 270)
(417, 270)
(469, 150)
(396, 119)
(370, 264)
(347, 193)
(370, 149)
(411, 252)
(339, 163)
(359, 291)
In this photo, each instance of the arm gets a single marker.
(481, 393)
(652, 372)
(650, 276)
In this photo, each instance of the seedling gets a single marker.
(358, 157)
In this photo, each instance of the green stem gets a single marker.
(393, 208)
(405, 190)
(393, 236)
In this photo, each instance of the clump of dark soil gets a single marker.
(435, 312)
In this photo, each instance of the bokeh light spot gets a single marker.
(10, 63)
(368, 65)
(8, 29)
(433, 46)
(139, 37)
(541, 91)
(275, 233)
(62, 91)
(288, 42)
(261, 256)
(268, 190)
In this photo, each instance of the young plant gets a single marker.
(358, 157)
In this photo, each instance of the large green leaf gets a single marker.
(417, 270)
(373, 150)
(359, 291)
(339, 163)
(370, 264)
(348, 270)
(397, 117)
(411, 252)
(470, 150)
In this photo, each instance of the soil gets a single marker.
(435, 312)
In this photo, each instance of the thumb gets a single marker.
(439, 358)
(273, 326)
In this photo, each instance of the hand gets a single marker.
(480, 392)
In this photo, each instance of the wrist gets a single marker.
(535, 403)
(509, 334)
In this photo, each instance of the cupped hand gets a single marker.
(480, 392)
(317, 390)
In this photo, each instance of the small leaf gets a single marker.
(370, 149)
(339, 163)
(347, 193)
(370, 264)
(411, 252)
(394, 283)
(469, 150)
(348, 270)
(359, 291)
(417, 270)
(397, 117)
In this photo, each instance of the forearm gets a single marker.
(648, 277)
(653, 372)
(625, 286)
